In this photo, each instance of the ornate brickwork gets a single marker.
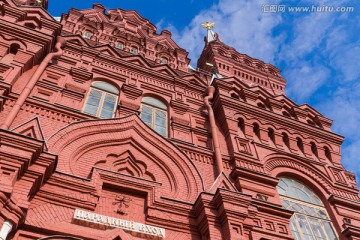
(79, 135)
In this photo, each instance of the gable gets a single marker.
(131, 149)
(222, 181)
(31, 128)
(165, 69)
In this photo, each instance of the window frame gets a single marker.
(307, 217)
(87, 35)
(154, 110)
(164, 60)
(134, 51)
(104, 93)
(119, 45)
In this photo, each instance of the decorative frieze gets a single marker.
(80, 75)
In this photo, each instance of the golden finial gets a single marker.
(38, 2)
(208, 25)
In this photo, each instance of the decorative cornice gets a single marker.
(131, 92)
(179, 106)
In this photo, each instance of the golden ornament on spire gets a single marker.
(208, 25)
(38, 2)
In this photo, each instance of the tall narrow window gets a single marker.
(327, 153)
(300, 144)
(314, 149)
(154, 114)
(310, 220)
(271, 135)
(241, 125)
(286, 140)
(256, 129)
(102, 99)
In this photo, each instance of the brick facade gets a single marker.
(213, 177)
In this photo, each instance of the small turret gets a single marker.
(222, 60)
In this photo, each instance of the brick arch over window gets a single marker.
(81, 145)
(278, 164)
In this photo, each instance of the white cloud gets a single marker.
(319, 52)
(305, 80)
(240, 24)
(350, 156)
(308, 34)
(347, 60)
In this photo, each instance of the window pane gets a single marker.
(304, 227)
(310, 211)
(294, 189)
(160, 121)
(296, 207)
(93, 101)
(282, 184)
(161, 130)
(106, 113)
(303, 196)
(330, 231)
(322, 214)
(160, 114)
(91, 109)
(105, 86)
(109, 105)
(317, 229)
(95, 93)
(291, 192)
(154, 102)
(285, 203)
(110, 98)
(146, 109)
(294, 229)
(153, 116)
(146, 118)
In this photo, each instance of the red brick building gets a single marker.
(106, 133)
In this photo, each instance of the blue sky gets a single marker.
(319, 52)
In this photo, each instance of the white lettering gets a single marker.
(119, 223)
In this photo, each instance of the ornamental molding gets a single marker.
(81, 145)
(276, 162)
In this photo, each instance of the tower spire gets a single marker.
(210, 34)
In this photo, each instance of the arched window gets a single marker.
(102, 99)
(327, 153)
(300, 144)
(286, 140)
(133, 50)
(261, 105)
(8, 58)
(163, 60)
(314, 149)
(119, 45)
(87, 35)
(241, 125)
(271, 135)
(14, 48)
(256, 129)
(154, 114)
(310, 220)
(286, 114)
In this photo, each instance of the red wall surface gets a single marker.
(203, 181)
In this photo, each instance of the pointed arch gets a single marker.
(83, 144)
